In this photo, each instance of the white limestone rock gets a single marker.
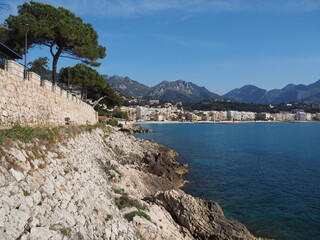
(40, 233)
(16, 174)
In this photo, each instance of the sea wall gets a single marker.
(102, 184)
(32, 102)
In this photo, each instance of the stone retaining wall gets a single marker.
(30, 102)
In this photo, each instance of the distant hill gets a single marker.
(127, 87)
(176, 91)
(180, 91)
(248, 93)
(290, 93)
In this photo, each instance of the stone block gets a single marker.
(35, 78)
(57, 89)
(47, 85)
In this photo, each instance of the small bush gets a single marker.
(109, 217)
(131, 215)
(80, 236)
(65, 231)
(111, 168)
(125, 201)
(26, 193)
(113, 122)
(118, 191)
(24, 134)
(49, 134)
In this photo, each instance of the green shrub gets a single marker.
(24, 134)
(131, 215)
(109, 217)
(125, 201)
(65, 231)
(122, 115)
(26, 193)
(118, 191)
(113, 122)
(111, 168)
(48, 134)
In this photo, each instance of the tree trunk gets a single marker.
(54, 66)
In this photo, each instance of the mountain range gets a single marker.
(290, 93)
(182, 91)
(176, 91)
(127, 87)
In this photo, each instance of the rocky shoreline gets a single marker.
(103, 184)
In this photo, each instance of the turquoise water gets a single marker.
(266, 175)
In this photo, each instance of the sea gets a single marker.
(265, 175)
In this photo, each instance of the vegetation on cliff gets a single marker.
(91, 83)
(100, 183)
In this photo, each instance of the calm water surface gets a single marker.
(266, 175)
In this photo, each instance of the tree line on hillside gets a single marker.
(227, 105)
(66, 36)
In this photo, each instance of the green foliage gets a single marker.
(122, 115)
(65, 232)
(118, 191)
(131, 215)
(125, 201)
(48, 134)
(111, 168)
(92, 84)
(113, 122)
(102, 112)
(140, 235)
(109, 217)
(25, 193)
(80, 236)
(24, 134)
(40, 66)
(57, 28)
(226, 105)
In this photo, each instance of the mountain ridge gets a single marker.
(183, 91)
(176, 91)
(290, 93)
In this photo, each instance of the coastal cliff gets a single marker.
(100, 183)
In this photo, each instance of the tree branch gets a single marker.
(97, 101)
(74, 58)
(51, 51)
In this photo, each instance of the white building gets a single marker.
(301, 116)
(234, 115)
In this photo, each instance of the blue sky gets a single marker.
(219, 44)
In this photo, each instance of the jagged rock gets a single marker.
(203, 218)
(73, 187)
(134, 129)
(16, 174)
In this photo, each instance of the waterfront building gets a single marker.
(279, 117)
(310, 116)
(234, 115)
(301, 116)
(159, 117)
(263, 116)
(248, 116)
(289, 117)
(130, 111)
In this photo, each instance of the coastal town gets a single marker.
(175, 112)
